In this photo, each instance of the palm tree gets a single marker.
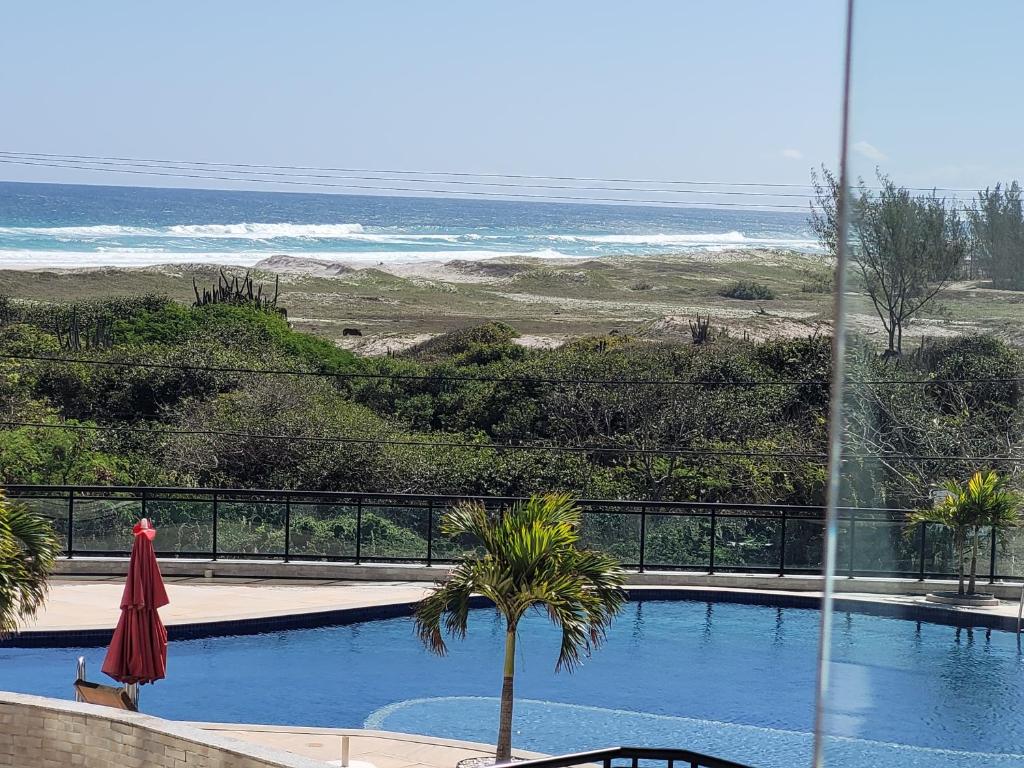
(28, 548)
(985, 500)
(992, 505)
(531, 560)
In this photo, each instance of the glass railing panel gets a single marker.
(250, 527)
(104, 525)
(881, 547)
(323, 529)
(613, 530)
(677, 540)
(445, 547)
(184, 526)
(804, 544)
(748, 541)
(54, 509)
(394, 531)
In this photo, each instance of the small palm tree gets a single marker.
(985, 500)
(531, 560)
(28, 548)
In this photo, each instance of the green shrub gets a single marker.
(748, 290)
(463, 340)
(822, 282)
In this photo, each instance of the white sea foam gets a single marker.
(242, 231)
(689, 239)
(257, 231)
(145, 257)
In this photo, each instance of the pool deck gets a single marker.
(383, 749)
(83, 603)
(77, 604)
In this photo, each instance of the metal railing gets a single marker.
(356, 527)
(671, 758)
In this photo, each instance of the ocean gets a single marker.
(63, 225)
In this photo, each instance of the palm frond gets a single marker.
(28, 549)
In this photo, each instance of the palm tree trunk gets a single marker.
(974, 562)
(960, 546)
(503, 753)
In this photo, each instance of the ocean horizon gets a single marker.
(78, 226)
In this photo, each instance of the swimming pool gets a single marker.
(723, 678)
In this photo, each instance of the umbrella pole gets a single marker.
(132, 689)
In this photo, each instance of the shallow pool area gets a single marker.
(728, 679)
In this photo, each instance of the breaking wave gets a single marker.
(242, 231)
(690, 239)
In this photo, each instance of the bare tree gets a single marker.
(906, 248)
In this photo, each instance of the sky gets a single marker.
(735, 90)
(731, 90)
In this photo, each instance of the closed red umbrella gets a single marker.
(138, 650)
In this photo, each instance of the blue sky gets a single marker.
(936, 91)
(733, 90)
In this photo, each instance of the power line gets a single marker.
(506, 379)
(418, 190)
(167, 165)
(456, 174)
(411, 377)
(668, 451)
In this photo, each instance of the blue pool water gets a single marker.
(728, 679)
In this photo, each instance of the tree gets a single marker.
(532, 560)
(906, 249)
(991, 504)
(28, 548)
(997, 236)
(984, 501)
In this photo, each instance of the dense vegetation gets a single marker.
(472, 412)
(748, 290)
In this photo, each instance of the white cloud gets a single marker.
(870, 151)
(792, 154)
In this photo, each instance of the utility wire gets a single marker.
(419, 190)
(515, 185)
(410, 377)
(457, 174)
(668, 451)
(504, 379)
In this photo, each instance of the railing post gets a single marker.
(853, 542)
(71, 523)
(359, 529)
(782, 545)
(287, 527)
(142, 494)
(992, 557)
(430, 532)
(921, 554)
(711, 539)
(214, 525)
(643, 537)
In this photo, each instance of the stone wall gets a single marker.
(37, 732)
